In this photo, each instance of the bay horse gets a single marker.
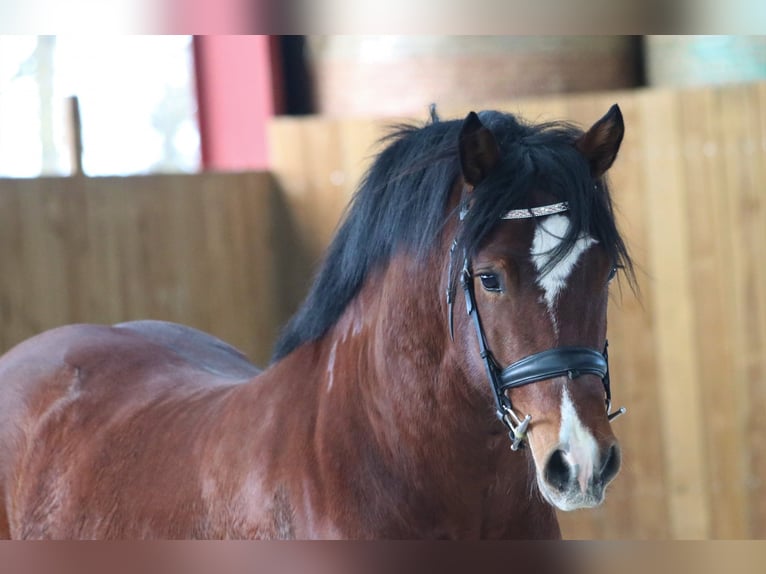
(446, 376)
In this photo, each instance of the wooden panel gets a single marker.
(318, 163)
(689, 356)
(193, 249)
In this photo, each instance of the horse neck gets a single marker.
(391, 360)
(395, 332)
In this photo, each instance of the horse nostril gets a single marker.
(557, 471)
(611, 464)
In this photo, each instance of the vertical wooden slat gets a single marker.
(11, 247)
(724, 128)
(712, 348)
(289, 157)
(745, 204)
(755, 446)
(74, 125)
(641, 509)
(681, 416)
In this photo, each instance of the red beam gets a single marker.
(236, 95)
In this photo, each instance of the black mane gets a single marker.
(402, 203)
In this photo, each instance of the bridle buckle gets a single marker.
(615, 414)
(516, 426)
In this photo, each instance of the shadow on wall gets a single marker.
(295, 262)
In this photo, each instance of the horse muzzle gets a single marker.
(572, 479)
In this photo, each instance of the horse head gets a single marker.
(534, 252)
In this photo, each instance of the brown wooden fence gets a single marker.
(193, 249)
(231, 254)
(689, 358)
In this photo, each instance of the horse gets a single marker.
(446, 376)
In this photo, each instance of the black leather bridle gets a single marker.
(572, 362)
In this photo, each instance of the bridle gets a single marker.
(572, 362)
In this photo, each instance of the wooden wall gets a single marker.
(689, 357)
(193, 249)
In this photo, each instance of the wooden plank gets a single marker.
(745, 207)
(719, 322)
(681, 415)
(712, 348)
(754, 447)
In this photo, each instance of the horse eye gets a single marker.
(613, 273)
(490, 282)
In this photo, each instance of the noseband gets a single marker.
(572, 362)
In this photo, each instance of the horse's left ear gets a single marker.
(479, 151)
(601, 142)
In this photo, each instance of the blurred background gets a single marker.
(199, 179)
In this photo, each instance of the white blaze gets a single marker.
(577, 442)
(549, 233)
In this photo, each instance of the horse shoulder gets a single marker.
(69, 393)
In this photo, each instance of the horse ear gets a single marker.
(601, 142)
(479, 151)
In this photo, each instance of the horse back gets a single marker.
(198, 348)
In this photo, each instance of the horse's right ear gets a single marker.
(479, 151)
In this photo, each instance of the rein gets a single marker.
(570, 361)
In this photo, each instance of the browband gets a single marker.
(529, 212)
(536, 211)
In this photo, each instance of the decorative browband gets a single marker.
(537, 211)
